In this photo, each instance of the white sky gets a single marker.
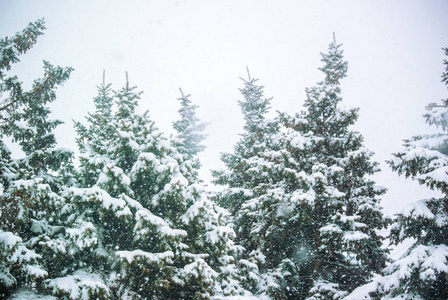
(393, 49)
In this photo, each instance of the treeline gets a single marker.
(297, 218)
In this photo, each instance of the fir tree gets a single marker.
(345, 209)
(204, 218)
(189, 134)
(138, 224)
(250, 180)
(10, 49)
(422, 272)
(31, 229)
(253, 141)
(305, 211)
(116, 236)
(93, 140)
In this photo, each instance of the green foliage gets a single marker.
(32, 243)
(298, 188)
(189, 131)
(155, 230)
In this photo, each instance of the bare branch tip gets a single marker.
(127, 81)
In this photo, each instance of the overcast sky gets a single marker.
(393, 49)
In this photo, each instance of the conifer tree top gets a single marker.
(334, 67)
(189, 128)
(254, 106)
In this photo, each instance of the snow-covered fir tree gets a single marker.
(143, 229)
(190, 134)
(253, 141)
(93, 139)
(32, 244)
(251, 181)
(204, 217)
(345, 211)
(305, 211)
(422, 272)
(11, 89)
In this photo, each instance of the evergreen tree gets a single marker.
(422, 272)
(138, 223)
(345, 209)
(253, 141)
(117, 238)
(93, 140)
(11, 89)
(204, 218)
(31, 230)
(305, 211)
(250, 181)
(189, 134)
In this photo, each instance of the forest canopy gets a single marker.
(298, 215)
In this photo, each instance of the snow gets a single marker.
(248, 264)
(196, 209)
(334, 192)
(423, 259)
(134, 145)
(441, 219)
(21, 124)
(23, 254)
(437, 163)
(117, 172)
(95, 194)
(84, 236)
(417, 209)
(245, 192)
(145, 214)
(435, 261)
(36, 271)
(124, 134)
(200, 269)
(330, 229)
(194, 188)
(325, 290)
(355, 236)
(440, 175)
(319, 177)
(299, 196)
(245, 297)
(29, 294)
(131, 202)
(362, 292)
(63, 150)
(177, 181)
(96, 160)
(125, 212)
(9, 239)
(335, 169)
(162, 226)
(142, 161)
(80, 285)
(163, 145)
(38, 226)
(296, 140)
(215, 235)
(27, 184)
(422, 153)
(429, 142)
(130, 256)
